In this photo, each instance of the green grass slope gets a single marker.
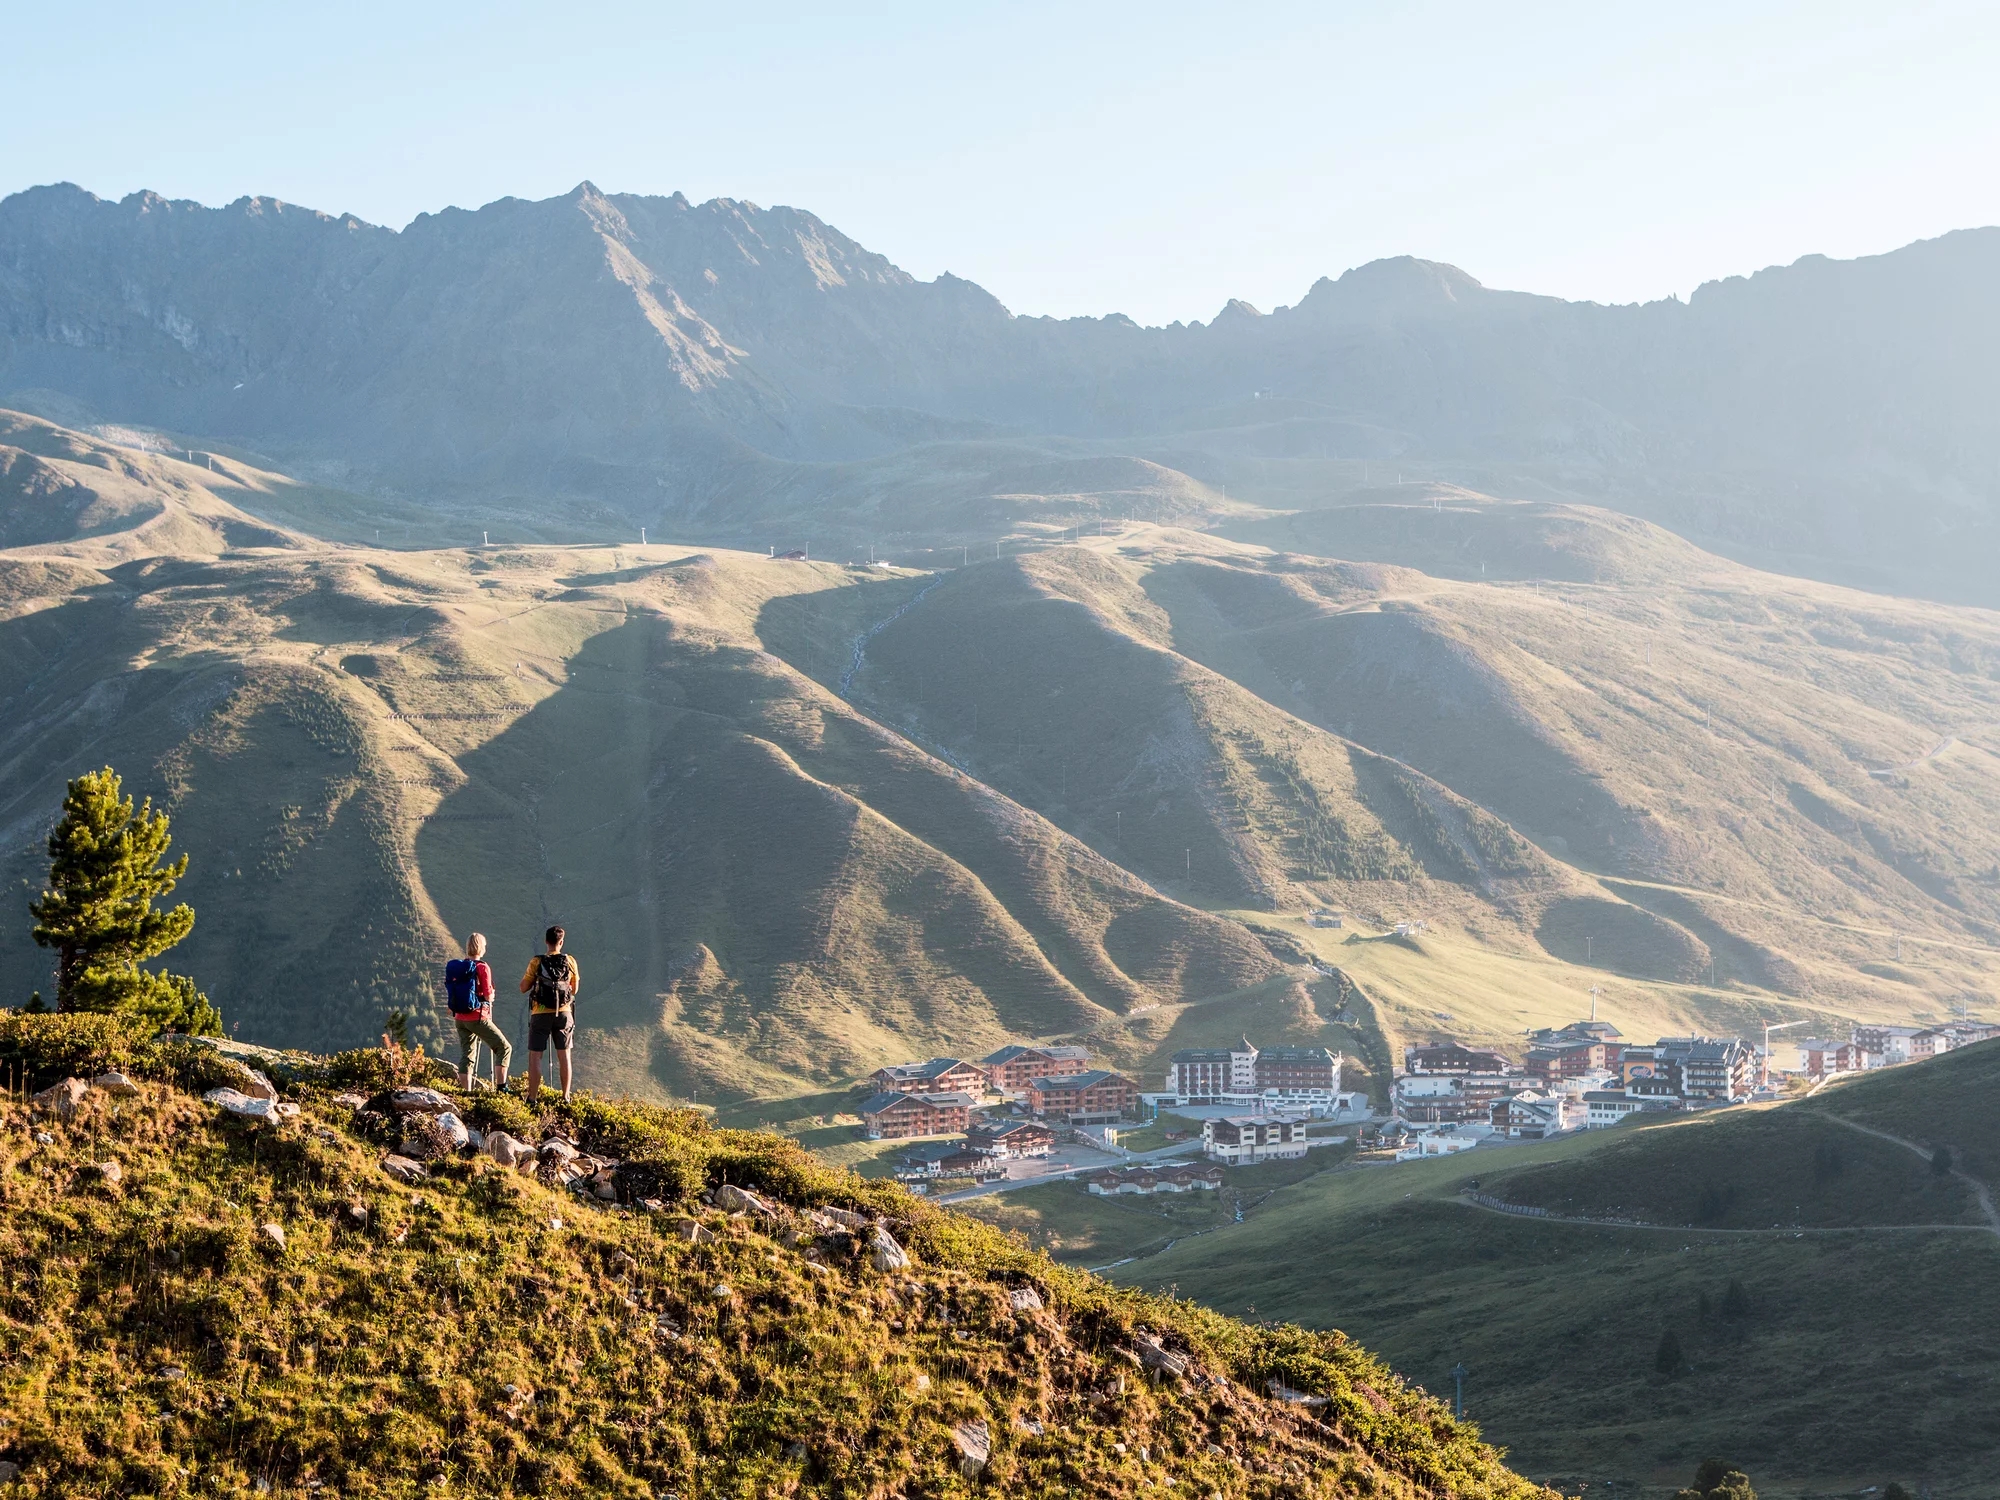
(483, 1332)
(1854, 1353)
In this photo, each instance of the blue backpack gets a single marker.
(460, 980)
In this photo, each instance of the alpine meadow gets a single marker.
(1472, 685)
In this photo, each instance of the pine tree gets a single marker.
(1668, 1359)
(105, 873)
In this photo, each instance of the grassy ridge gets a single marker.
(485, 1334)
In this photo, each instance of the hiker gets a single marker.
(551, 983)
(468, 990)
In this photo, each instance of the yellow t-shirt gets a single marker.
(535, 968)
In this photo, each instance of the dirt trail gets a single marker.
(1781, 1232)
(1984, 1193)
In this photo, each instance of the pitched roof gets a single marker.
(1078, 1080)
(1006, 1055)
(1298, 1054)
(875, 1104)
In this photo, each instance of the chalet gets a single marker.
(1533, 1116)
(893, 1116)
(1243, 1139)
(1011, 1140)
(1012, 1069)
(1146, 1181)
(1452, 1057)
(1093, 1098)
(948, 1159)
(939, 1075)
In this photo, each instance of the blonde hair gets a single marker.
(475, 946)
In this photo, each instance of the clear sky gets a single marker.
(1154, 159)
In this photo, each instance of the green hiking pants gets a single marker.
(472, 1030)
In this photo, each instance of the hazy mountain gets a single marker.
(728, 369)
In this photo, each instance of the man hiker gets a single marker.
(468, 990)
(551, 983)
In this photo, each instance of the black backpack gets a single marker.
(551, 989)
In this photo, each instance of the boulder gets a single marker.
(62, 1099)
(283, 1109)
(604, 1192)
(504, 1149)
(238, 1103)
(109, 1173)
(402, 1169)
(555, 1148)
(257, 1086)
(974, 1441)
(691, 1230)
(115, 1083)
(419, 1101)
(1024, 1299)
(1153, 1355)
(843, 1218)
(886, 1253)
(350, 1101)
(9, 1471)
(354, 1214)
(454, 1127)
(735, 1200)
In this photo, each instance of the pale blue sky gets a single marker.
(1153, 159)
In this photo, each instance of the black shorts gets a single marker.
(551, 1026)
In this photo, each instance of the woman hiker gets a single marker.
(468, 988)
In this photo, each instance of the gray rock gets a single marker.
(402, 1169)
(555, 1148)
(886, 1253)
(354, 1214)
(1024, 1299)
(419, 1101)
(115, 1083)
(273, 1233)
(258, 1086)
(974, 1441)
(350, 1101)
(109, 1173)
(61, 1099)
(238, 1103)
(9, 1471)
(732, 1199)
(504, 1149)
(454, 1127)
(693, 1231)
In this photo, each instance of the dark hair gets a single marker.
(553, 936)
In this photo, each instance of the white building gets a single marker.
(1241, 1140)
(1604, 1107)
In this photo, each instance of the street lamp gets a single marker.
(1458, 1374)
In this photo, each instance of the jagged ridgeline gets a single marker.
(209, 1302)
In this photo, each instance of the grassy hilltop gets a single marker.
(200, 1304)
(1854, 1350)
